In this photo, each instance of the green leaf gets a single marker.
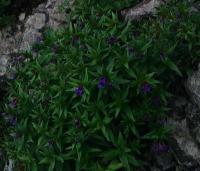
(105, 133)
(34, 167)
(44, 161)
(59, 158)
(124, 160)
(86, 76)
(173, 67)
(113, 166)
(52, 165)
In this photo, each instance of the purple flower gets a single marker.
(112, 40)
(13, 103)
(102, 82)
(146, 88)
(20, 58)
(77, 123)
(12, 121)
(160, 147)
(79, 91)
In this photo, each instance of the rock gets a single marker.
(145, 8)
(54, 24)
(186, 150)
(178, 105)
(56, 16)
(193, 10)
(29, 38)
(3, 64)
(165, 161)
(22, 16)
(197, 5)
(193, 87)
(50, 4)
(45, 15)
(9, 165)
(193, 118)
(26, 33)
(36, 21)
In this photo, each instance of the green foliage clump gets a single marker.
(96, 95)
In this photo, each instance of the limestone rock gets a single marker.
(56, 16)
(145, 8)
(9, 166)
(165, 161)
(22, 16)
(193, 87)
(3, 64)
(30, 36)
(185, 148)
(36, 21)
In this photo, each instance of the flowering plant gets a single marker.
(95, 97)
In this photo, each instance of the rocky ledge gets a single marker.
(27, 31)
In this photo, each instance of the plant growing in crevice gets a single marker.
(96, 95)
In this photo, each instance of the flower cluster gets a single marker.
(112, 40)
(79, 91)
(13, 103)
(146, 88)
(102, 82)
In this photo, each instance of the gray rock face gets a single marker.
(56, 17)
(193, 87)
(145, 8)
(184, 142)
(165, 161)
(148, 8)
(3, 64)
(185, 124)
(14, 41)
(29, 37)
(36, 21)
(193, 109)
(22, 17)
